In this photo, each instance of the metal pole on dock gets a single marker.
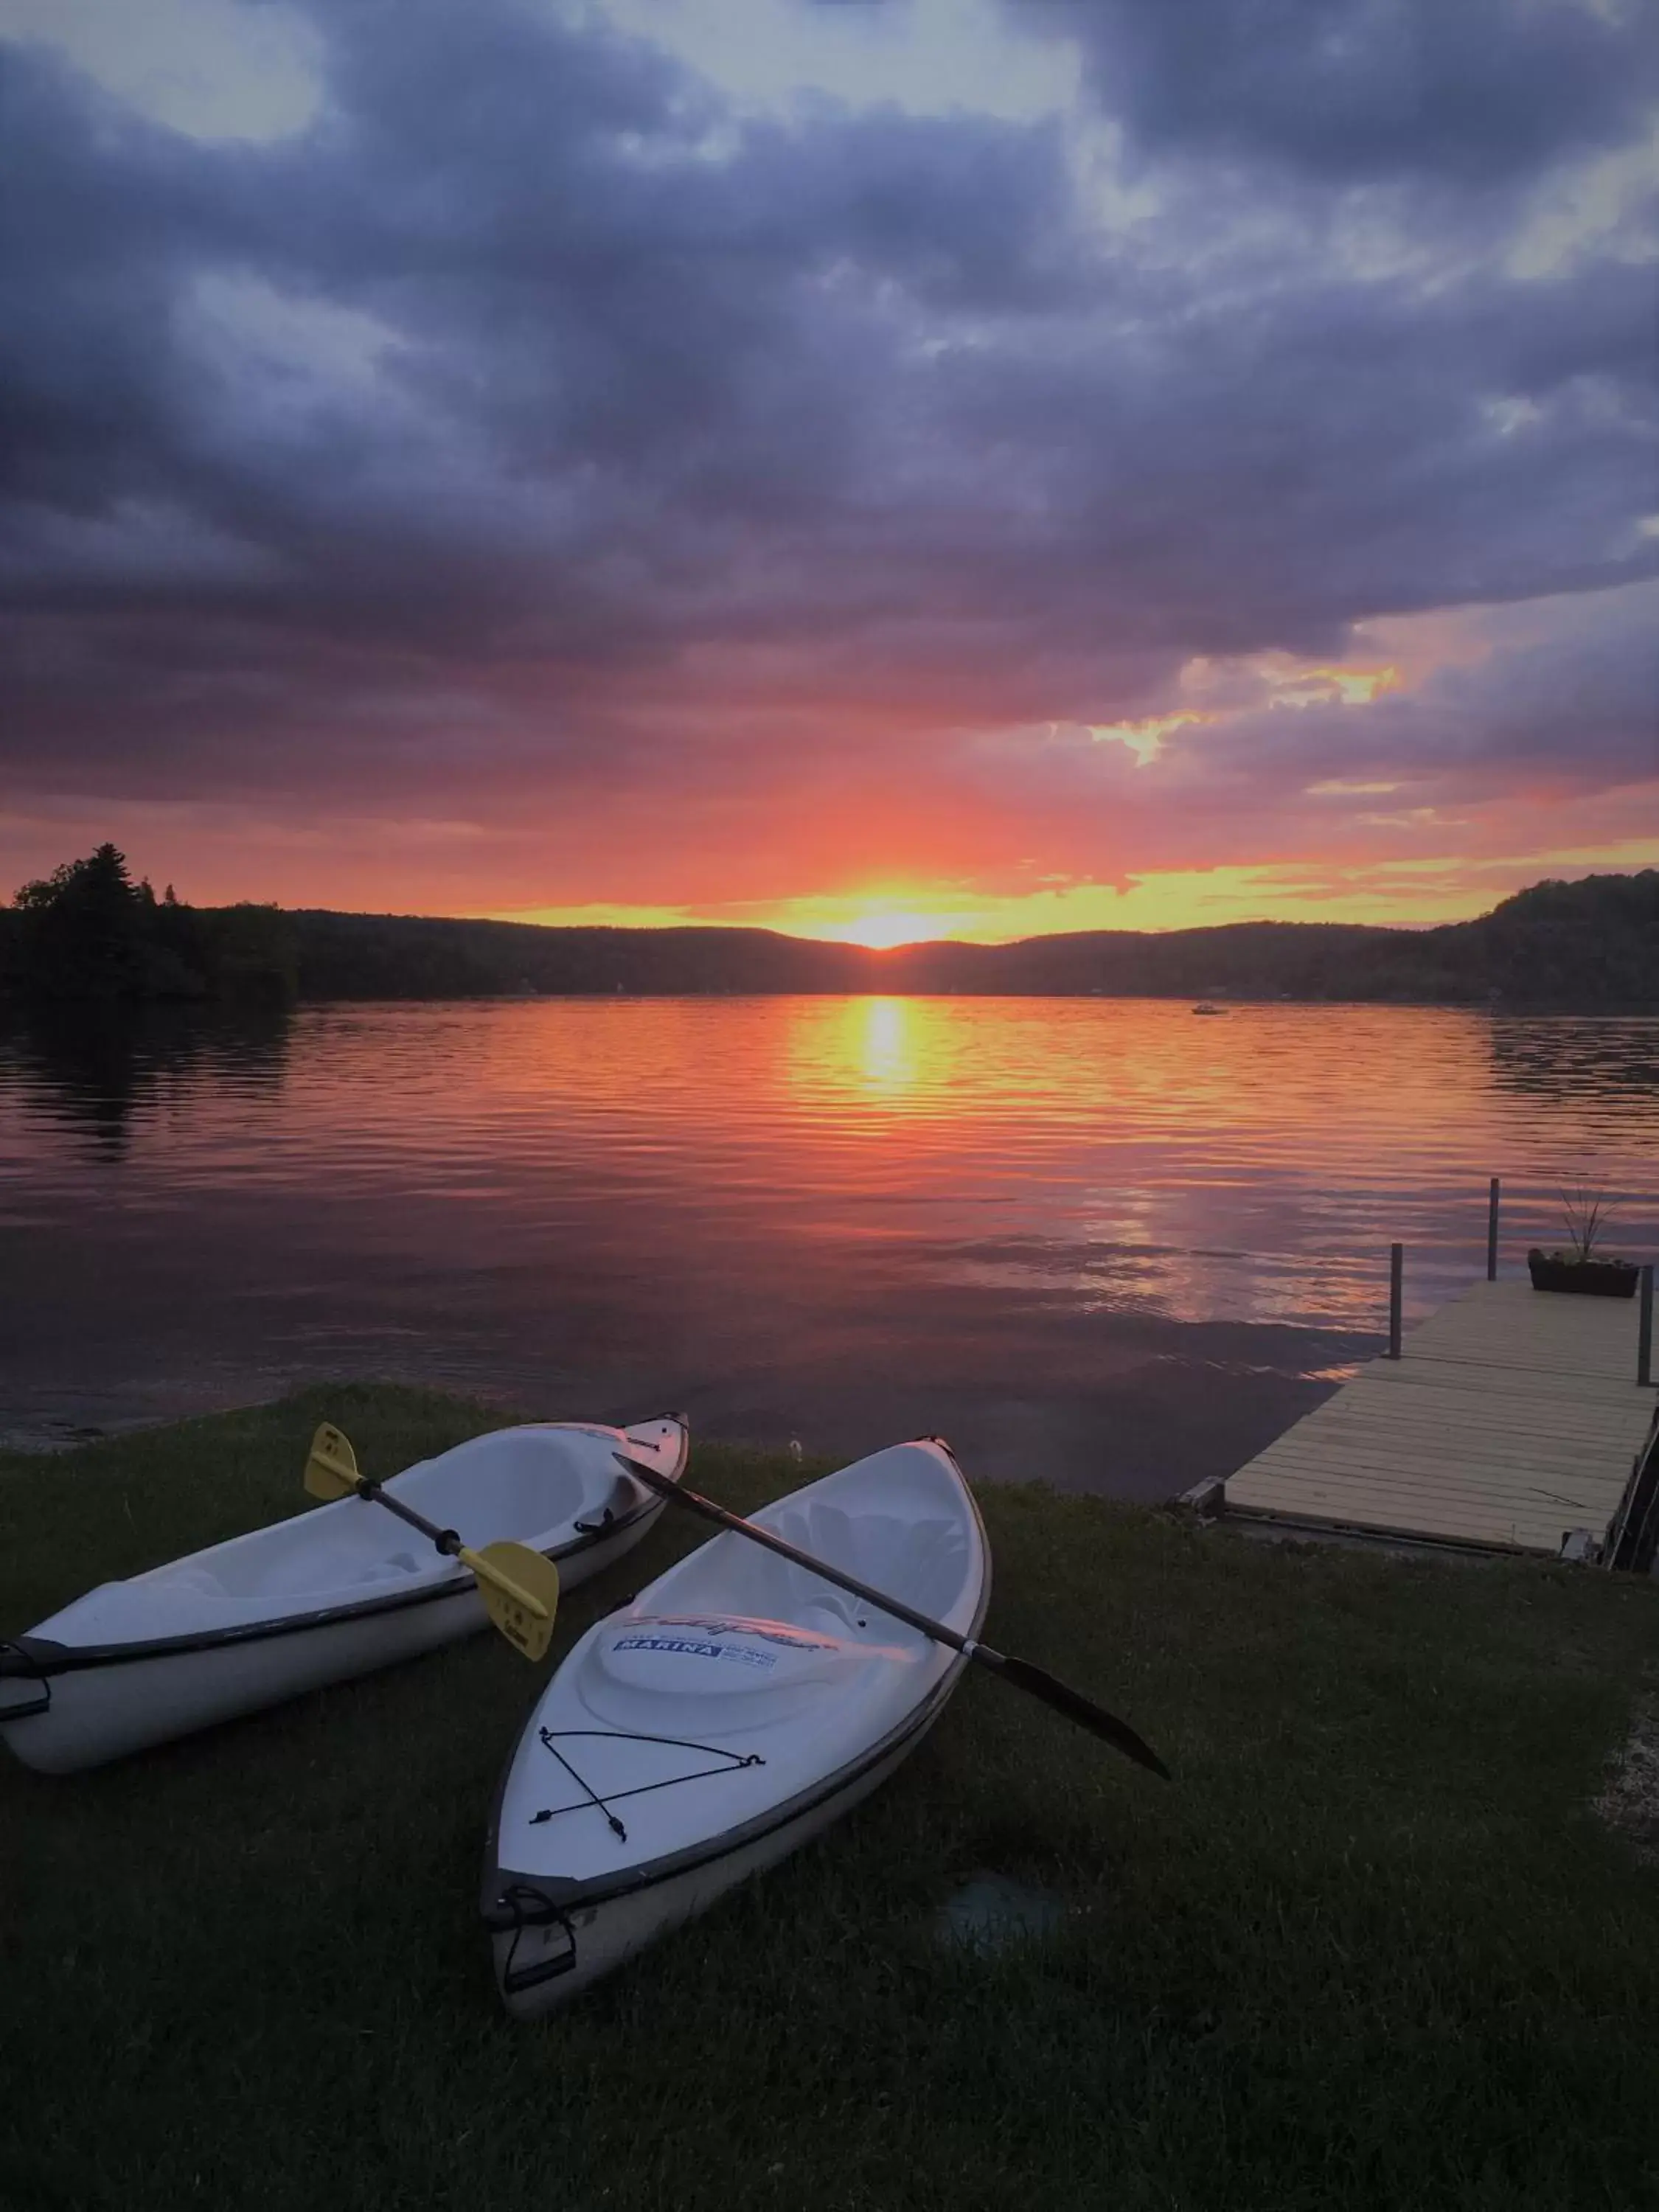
(1491, 1232)
(1396, 1278)
(1644, 1330)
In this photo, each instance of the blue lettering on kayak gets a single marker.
(692, 1648)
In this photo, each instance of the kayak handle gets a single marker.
(17, 1665)
(521, 1907)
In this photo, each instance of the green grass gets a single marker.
(1370, 1950)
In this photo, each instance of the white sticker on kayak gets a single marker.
(694, 1648)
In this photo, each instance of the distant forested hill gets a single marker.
(375, 955)
(1591, 945)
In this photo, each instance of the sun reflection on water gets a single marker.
(885, 1044)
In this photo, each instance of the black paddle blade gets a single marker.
(1083, 1710)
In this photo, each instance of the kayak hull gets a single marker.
(59, 1714)
(540, 1968)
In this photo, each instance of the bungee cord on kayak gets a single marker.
(740, 1759)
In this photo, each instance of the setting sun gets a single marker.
(882, 931)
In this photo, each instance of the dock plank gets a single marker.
(1427, 1449)
(1471, 1469)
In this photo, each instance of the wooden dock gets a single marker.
(1511, 1418)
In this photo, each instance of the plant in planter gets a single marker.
(1584, 1266)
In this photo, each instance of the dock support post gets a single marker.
(1396, 1278)
(1491, 1232)
(1644, 1330)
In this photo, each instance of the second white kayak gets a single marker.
(733, 1710)
(320, 1596)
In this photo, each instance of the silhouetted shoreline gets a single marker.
(1589, 946)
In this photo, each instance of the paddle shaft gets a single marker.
(1020, 1673)
(443, 1540)
(448, 1542)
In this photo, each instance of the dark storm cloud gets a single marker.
(1478, 91)
(583, 304)
(532, 419)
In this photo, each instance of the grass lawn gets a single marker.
(1371, 1949)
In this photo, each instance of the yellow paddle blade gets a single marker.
(520, 1591)
(331, 1470)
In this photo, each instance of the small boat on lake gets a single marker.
(733, 1710)
(322, 1595)
(1204, 1006)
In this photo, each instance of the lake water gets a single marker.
(1108, 1242)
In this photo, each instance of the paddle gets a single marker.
(520, 1587)
(1019, 1672)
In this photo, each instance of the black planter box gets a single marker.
(1596, 1278)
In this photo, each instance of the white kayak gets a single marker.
(728, 1714)
(319, 1597)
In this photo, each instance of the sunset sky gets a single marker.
(875, 468)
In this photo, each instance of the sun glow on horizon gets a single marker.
(1417, 891)
(881, 931)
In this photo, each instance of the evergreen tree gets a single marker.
(84, 930)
